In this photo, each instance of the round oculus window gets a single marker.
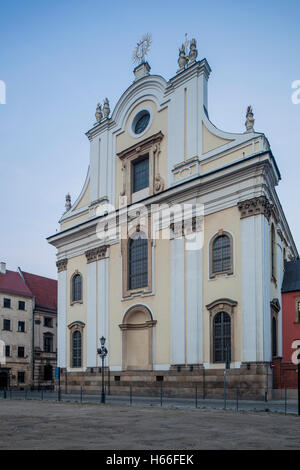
(141, 122)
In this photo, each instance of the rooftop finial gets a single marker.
(142, 49)
(249, 120)
(68, 202)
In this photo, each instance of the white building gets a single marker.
(171, 312)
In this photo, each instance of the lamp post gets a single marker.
(102, 351)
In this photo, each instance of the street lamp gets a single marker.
(102, 351)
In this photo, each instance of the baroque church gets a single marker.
(174, 250)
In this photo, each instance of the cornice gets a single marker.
(141, 146)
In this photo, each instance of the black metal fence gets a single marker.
(159, 396)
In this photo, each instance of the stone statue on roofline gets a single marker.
(249, 120)
(98, 114)
(106, 108)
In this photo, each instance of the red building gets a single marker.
(285, 375)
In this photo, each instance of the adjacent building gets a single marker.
(16, 324)
(174, 249)
(285, 366)
(28, 320)
(44, 338)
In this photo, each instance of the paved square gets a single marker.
(43, 425)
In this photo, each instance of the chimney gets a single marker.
(2, 268)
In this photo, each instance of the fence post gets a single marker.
(26, 394)
(80, 394)
(225, 389)
(285, 401)
(58, 394)
(130, 394)
(42, 394)
(10, 393)
(161, 395)
(237, 399)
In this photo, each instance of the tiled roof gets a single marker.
(291, 279)
(12, 283)
(44, 290)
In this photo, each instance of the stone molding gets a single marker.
(96, 254)
(255, 206)
(62, 265)
(221, 305)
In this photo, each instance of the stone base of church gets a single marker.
(253, 381)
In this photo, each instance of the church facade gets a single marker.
(174, 250)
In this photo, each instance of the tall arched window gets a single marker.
(221, 337)
(76, 349)
(221, 261)
(273, 252)
(138, 261)
(76, 287)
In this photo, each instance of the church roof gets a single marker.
(291, 280)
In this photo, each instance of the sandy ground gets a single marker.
(42, 425)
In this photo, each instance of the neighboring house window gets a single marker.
(138, 262)
(76, 288)
(21, 377)
(21, 305)
(273, 252)
(48, 322)
(221, 256)
(48, 343)
(21, 326)
(21, 351)
(48, 372)
(6, 325)
(221, 337)
(76, 349)
(6, 303)
(140, 174)
(274, 337)
(7, 350)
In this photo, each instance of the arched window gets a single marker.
(221, 255)
(221, 337)
(76, 349)
(76, 287)
(138, 261)
(273, 252)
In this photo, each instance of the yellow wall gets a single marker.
(226, 159)
(211, 141)
(222, 286)
(159, 303)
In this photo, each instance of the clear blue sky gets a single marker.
(60, 57)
